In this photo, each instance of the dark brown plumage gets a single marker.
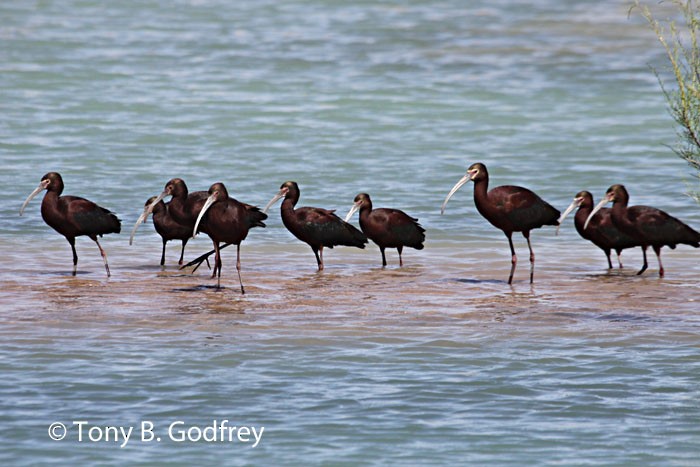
(72, 216)
(225, 219)
(601, 231)
(183, 206)
(508, 208)
(649, 226)
(388, 228)
(165, 226)
(316, 227)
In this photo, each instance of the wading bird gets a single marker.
(72, 216)
(649, 226)
(601, 231)
(508, 208)
(183, 206)
(388, 228)
(165, 225)
(225, 219)
(316, 227)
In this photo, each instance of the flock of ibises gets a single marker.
(227, 221)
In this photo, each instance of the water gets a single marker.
(439, 362)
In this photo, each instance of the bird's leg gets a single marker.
(182, 253)
(202, 258)
(513, 259)
(532, 258)
(238, 267)
(75, 255)
(319, 258)
(104, 256)
(645, 265)
(217, 265)
(162, 256)
(400, 250)
(657, 250)
(217, 260)
(381, 248)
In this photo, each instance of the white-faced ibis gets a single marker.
(508, 208)
(165, 225)
(649, 226)
(183, 206)
(601, 231)
(225, 219)
(72, 216)
(388, 228)
(316, 227)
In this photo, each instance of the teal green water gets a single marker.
(439, 362)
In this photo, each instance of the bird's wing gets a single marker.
(89, 217)
(327, 228)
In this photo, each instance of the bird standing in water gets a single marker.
(316, 227)
(72, 216)
(183, 206)
(165, 226)
(649, 226)
(601, 231)
(508, 208)
(225, 219)
(388, 228)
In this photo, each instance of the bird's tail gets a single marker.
(354, 237)
(255, 216)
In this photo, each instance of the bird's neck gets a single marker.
(365, 211)
(618, 212)
(582, 214)
(480, 191)
(50, 199)
(50, 209)
(287, 207)
(176, 209)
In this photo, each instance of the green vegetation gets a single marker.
(681, 46)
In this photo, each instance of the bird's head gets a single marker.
(584, 199)
(287, 190)
(362, 200)
(617, 193)
(52, 181)
(218, 192)
(581, 198)
(476, 172)
(175, 187)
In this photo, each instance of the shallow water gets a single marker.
(437, 362)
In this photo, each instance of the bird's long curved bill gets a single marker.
(597, 208)
(140, 220)
(206, 206)
(158, 199)
(571, 207)
(352, 211)
(147, 210)
(36, 191)
(454, 189)
(274, 199)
